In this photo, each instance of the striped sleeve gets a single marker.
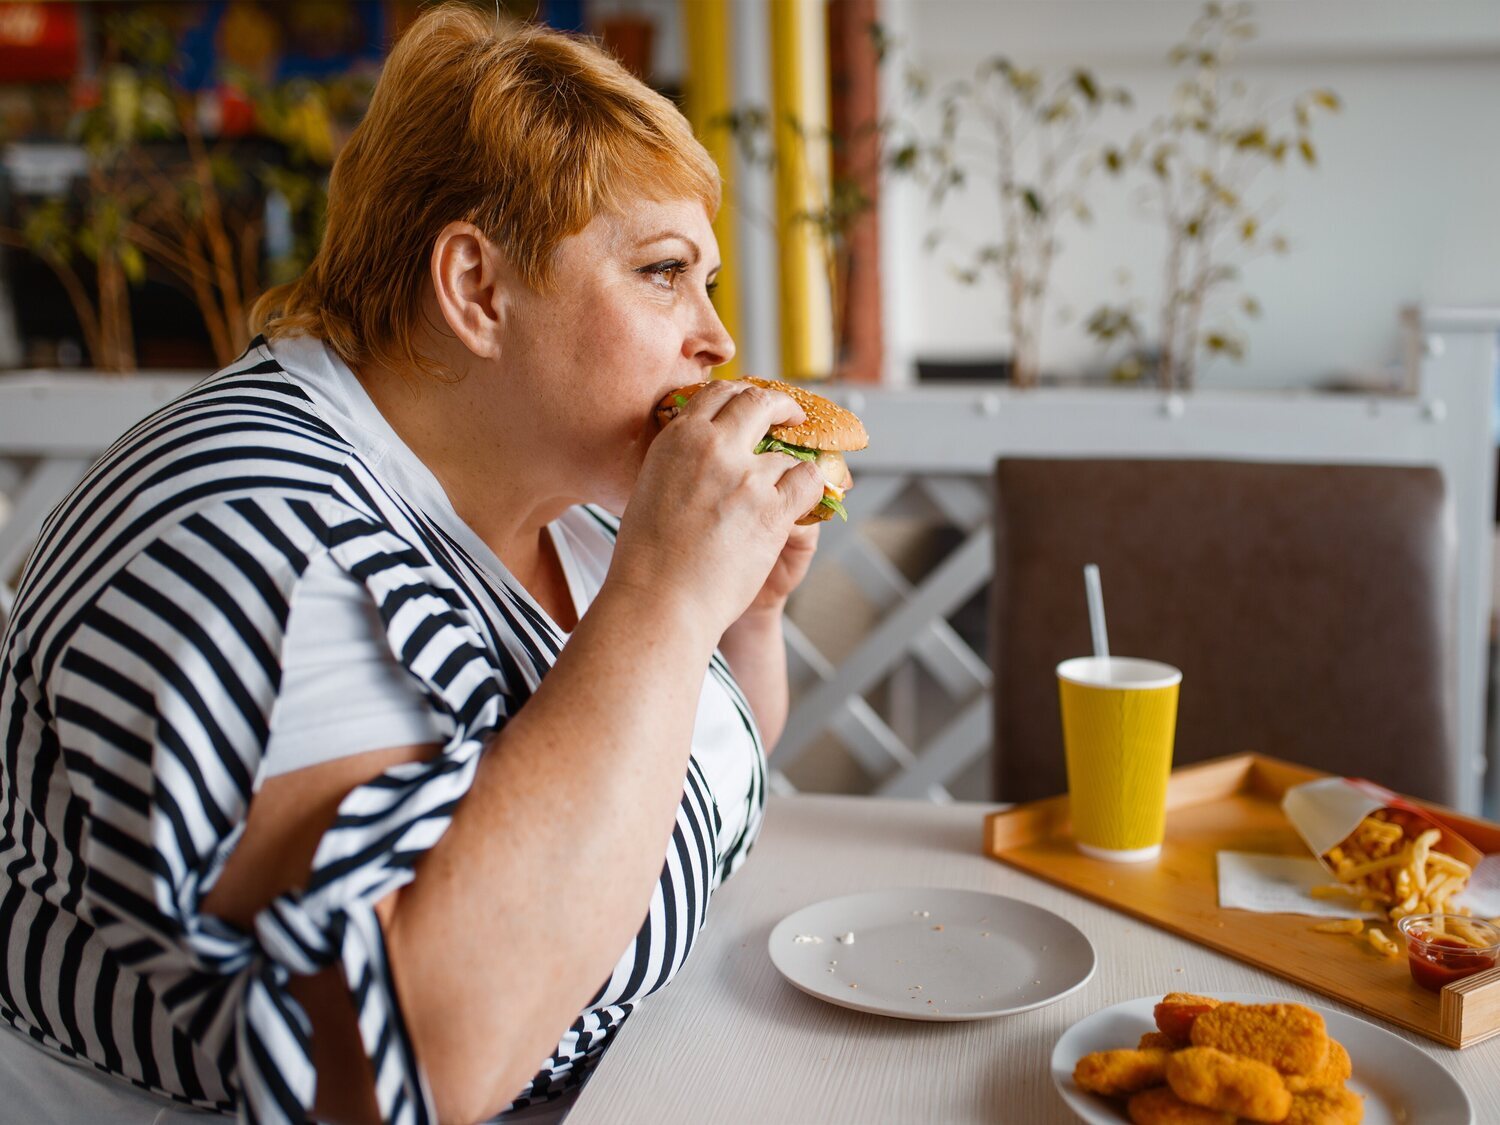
(162, 694)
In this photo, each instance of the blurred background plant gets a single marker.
(97, 222)
(1026, 137)
(218, 196)
(1201, 162)
(307, 119)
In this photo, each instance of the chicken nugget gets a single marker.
(1289, 1037)
(1177, 1011)
(1206, 1077)
(1333, 1105)
(1158, 1039)
(1113, 1073)
(1162, 1107)
(1335, 1071)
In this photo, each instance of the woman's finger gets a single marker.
(750, 414)
(801, 487)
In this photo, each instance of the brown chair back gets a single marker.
(1310, 608)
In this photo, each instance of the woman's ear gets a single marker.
(471, 282)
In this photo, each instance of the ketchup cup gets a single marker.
(1443, 948)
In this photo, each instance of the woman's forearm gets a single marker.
(521, 911)
(755, 647)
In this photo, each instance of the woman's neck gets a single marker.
(496, 478)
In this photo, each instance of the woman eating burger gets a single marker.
(360, 763)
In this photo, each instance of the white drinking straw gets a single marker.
(1096, 611)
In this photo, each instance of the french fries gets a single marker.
(1340, 926)
(1391, 861)
(1459, 930)
(1382, 944)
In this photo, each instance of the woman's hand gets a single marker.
(789, 571)
(710, 521)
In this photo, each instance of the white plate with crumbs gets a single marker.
(925, 953)
(1401, 1084)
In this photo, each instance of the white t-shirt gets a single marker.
(343, 692)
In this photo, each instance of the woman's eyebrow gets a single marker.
(666, 234)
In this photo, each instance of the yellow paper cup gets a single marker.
(1119, 718)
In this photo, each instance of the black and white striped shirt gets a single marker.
(137, 678)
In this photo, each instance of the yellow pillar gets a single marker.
(708, 98)
(799, 106)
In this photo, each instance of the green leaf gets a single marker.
(768, 444)
(1159, 159)
(1110, 322)
(1221, 343)
(681, 400)
(133, 264)
(830, 502)
(1025, 83)
(1254, 137)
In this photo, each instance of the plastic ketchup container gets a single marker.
(1443, 948)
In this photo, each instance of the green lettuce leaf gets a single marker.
(768, 444)
(830, 502)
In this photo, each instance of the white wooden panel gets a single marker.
(957, 746)
(949, 585)
(942, 651)
(37, 495)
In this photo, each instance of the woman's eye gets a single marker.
(664, 274)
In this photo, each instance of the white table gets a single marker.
(730, 1042)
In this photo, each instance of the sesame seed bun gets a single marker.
(829, 428)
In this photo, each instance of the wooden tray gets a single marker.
(1234, 804)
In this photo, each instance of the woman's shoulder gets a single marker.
(240, 467)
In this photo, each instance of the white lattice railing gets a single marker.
(932, 453)
(912, 630)
(937, 447)
(52, 426)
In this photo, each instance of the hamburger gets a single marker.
(828, 432)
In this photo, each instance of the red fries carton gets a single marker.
(1326, 811)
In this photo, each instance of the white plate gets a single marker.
(1401, 1083)
(932, 953)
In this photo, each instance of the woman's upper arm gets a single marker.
(287, 818)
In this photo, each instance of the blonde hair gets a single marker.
(526, 133)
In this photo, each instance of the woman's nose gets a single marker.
(712, 345)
